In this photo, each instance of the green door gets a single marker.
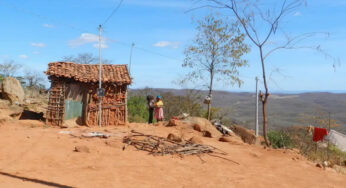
(73, 109)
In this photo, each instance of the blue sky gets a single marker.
(36, 32)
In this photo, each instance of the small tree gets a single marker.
(9, 68)
(261, 25)
(33, 79)
(217, 51)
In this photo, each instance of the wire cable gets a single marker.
(113, 12)
(83, 30)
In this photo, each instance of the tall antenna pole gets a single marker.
(100, 78)
(256, 120)
(133, 45)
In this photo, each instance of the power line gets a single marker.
(113, 12)
(31, 13)
(147, 51)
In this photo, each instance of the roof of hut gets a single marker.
(89, 72)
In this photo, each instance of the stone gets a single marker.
(204, 124)
(196, 127)
(12, 90)
(175, 123)
(195, 140)
(207, 134)
(83, 149)
(174, 137)
(246, 135)
(172, 123)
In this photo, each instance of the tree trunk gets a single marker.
(264, 99)
(210, 93)
(264, 110)
(209, 110)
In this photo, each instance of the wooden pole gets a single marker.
(100, 78)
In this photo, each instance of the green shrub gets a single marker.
(137, 109)
(279, 139)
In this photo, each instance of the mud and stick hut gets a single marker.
(73, 93)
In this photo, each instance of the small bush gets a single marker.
(279, 139)
(302, 140)
(137, 109)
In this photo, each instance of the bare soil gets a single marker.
(34, 155)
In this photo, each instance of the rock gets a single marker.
(195, 140)
(83, 149)
(203, 123)
(225, 139)
(207, 134)
(174, 137)
(172, 123)
(175, 123)
(196, 127)
(246, 135)
(295, 158)
(12, 90)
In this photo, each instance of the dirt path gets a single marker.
(34, 156)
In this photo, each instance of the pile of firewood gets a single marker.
(156, 145)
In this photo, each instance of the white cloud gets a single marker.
(35, 52)
(103, 45)
(40, 45)
(163, 44)
(86, 38)
(297, 14)
(23, 56)
(48, 25)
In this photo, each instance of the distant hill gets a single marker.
(283, 109)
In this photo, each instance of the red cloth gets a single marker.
(175, 118)
(319, 133)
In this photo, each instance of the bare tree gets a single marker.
(9, 68)
(217, 51)
(33, 79)
(84, 58)
(260, 25)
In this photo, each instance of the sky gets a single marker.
(36, 32)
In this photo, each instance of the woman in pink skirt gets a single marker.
(159, 109)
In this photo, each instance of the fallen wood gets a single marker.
(156, 145)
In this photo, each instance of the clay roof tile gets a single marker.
(89, 73)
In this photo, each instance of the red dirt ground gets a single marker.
(32, 155)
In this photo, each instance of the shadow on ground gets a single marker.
(52, 184)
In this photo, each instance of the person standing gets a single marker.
(151, 105)
(159, 109)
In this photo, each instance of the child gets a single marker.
(159, 109)
(151, 105)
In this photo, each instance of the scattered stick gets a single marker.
(156, 145)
